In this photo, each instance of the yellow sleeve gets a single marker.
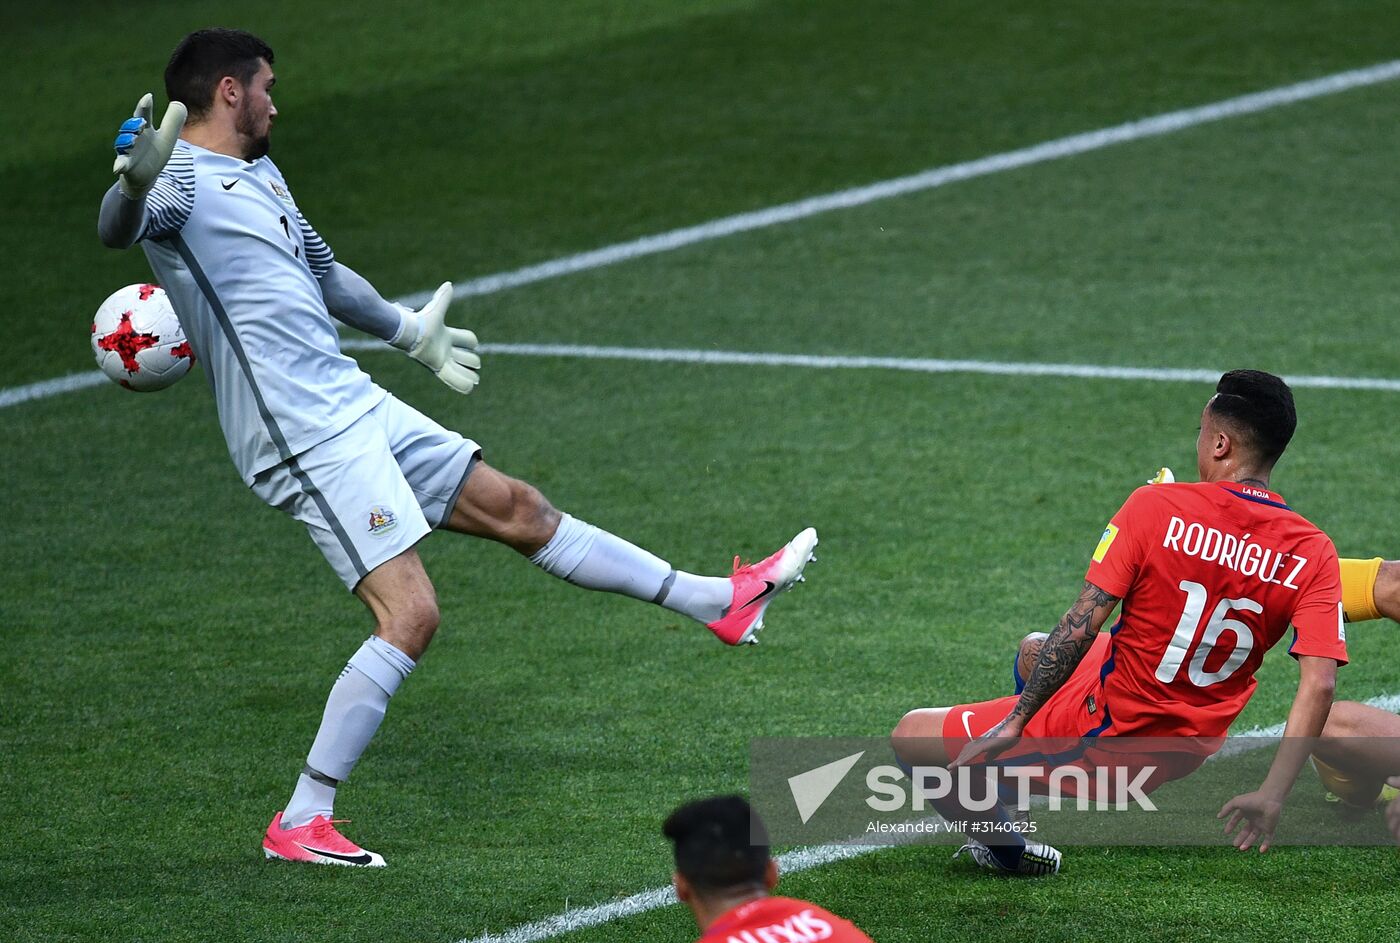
(1359, 589)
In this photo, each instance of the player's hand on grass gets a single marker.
(1392, 818)
(447, 351)
(990, 745)
(142, 149)
(1256, 815)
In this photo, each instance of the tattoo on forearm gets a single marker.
(1065, 648)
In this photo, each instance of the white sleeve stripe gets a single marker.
(171, 199)
(319, 256)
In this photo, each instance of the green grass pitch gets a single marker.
(169, 642)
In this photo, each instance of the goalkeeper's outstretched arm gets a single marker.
(121, 220)
(353, 300)
(450, 352)
(142, 152)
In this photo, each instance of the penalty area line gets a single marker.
(79, 381)
(910, 364)
(802, 859)
(1055, 149)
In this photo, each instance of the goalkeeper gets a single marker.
(255, 287)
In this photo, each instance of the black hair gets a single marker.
(1259, 406)
(721, 843)
(203, 58)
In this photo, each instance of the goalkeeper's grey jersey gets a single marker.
(241, 266)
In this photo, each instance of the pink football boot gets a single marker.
(317, 842)
(758, 584)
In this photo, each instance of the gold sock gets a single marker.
(1359, 791)
(1359, 589)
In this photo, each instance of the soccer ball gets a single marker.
(138, 341)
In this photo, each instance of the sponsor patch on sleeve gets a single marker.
(1106, 541)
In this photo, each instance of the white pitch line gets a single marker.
(577, 919)
(913, 365)
(801, 859)
(1256, 737)
(78, 381)
(1056, 149)
(46, 388)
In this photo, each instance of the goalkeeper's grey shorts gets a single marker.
(375, 489)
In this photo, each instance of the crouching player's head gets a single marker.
(725, 875)
(722, 857)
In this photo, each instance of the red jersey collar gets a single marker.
(1252, 491)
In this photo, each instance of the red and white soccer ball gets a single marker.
(138, 341)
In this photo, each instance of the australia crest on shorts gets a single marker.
(381, 520)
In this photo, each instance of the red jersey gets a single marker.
(781, 920)
(1211, 575)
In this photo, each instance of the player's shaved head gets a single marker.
(1257, 409)
(203, 58)
(721, 844)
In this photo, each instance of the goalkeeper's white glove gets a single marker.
(447, 351)
(142, 150)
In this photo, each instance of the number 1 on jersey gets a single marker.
(1175, 655)
(296, 249)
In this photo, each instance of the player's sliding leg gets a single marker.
(918, 741)
(1359, 751)
(507, 510)
(404, 605)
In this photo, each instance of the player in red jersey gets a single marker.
(1210, 575)
(725, 875)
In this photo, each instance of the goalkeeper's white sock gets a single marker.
(595, 559)
(353, 711)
